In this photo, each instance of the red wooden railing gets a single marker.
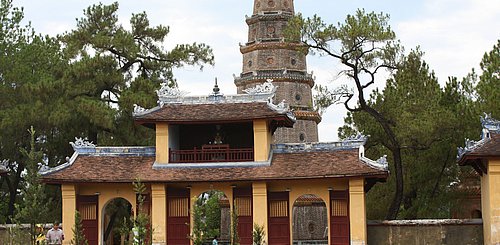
(211, 153)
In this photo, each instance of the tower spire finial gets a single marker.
(216, 89)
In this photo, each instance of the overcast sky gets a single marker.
(454, 34)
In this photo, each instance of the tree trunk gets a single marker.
(393, 211)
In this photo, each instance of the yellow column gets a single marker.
(68, 193)
(162, 143)
(261, 140)
(357, 211)
(490, 202)
(159, 213)
(259, 193)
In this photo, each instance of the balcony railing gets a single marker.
(211, 153)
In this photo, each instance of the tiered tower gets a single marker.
(266, 55)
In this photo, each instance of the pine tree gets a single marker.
(79, 237)
(33, 208)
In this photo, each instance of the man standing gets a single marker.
(55, 236)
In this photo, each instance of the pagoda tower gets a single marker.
(267, 55)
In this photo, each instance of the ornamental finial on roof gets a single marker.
(216, 90)
(81, 143)
(356, 137)
(138, 110)
(489, 124)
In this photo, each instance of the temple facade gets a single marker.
(222, 143)
(258, 148)
(267, 55)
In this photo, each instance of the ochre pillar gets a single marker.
(490, 202)
(162, 143)
(357, 211)
(159, 213)
(261, 140)
(68, 193)
(259, 194)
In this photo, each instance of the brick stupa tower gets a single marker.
(266, 55)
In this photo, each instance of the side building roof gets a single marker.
(475, 152)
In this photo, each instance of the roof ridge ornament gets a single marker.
(138, 110)
(489, 124)
(82, 143)
(356, 137)
(264, 88)
(282, 107)
(166, 91)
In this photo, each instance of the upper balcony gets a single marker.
(215, 128)
(230, 142)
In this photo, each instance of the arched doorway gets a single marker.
(310, 220)
(117, 222)
(212, 217)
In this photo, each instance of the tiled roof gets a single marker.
(215, 112)
(299, 165)
(488, 147)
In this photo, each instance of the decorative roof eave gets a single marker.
(353, 142)
(377, 176)
(470, 146)
(490, 126)
(260, 93)
(308, 115)
(84, 147)
(380, 164)
(286, 120)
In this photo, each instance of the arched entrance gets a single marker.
(117, 222)
(212, 217)
(310, 220)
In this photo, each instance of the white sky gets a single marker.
(454, 34)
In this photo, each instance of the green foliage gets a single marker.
(258, 234)
(30, 95)
(488, 86)
(33, 207)
(206, 216)
(81, 84)
(141, 222)
(78, 236)
(425, 121)
(112, 68)
(364, 44)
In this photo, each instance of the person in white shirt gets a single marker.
(55, 236)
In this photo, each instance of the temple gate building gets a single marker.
(259, 147)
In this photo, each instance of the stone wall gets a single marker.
(428, 232)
